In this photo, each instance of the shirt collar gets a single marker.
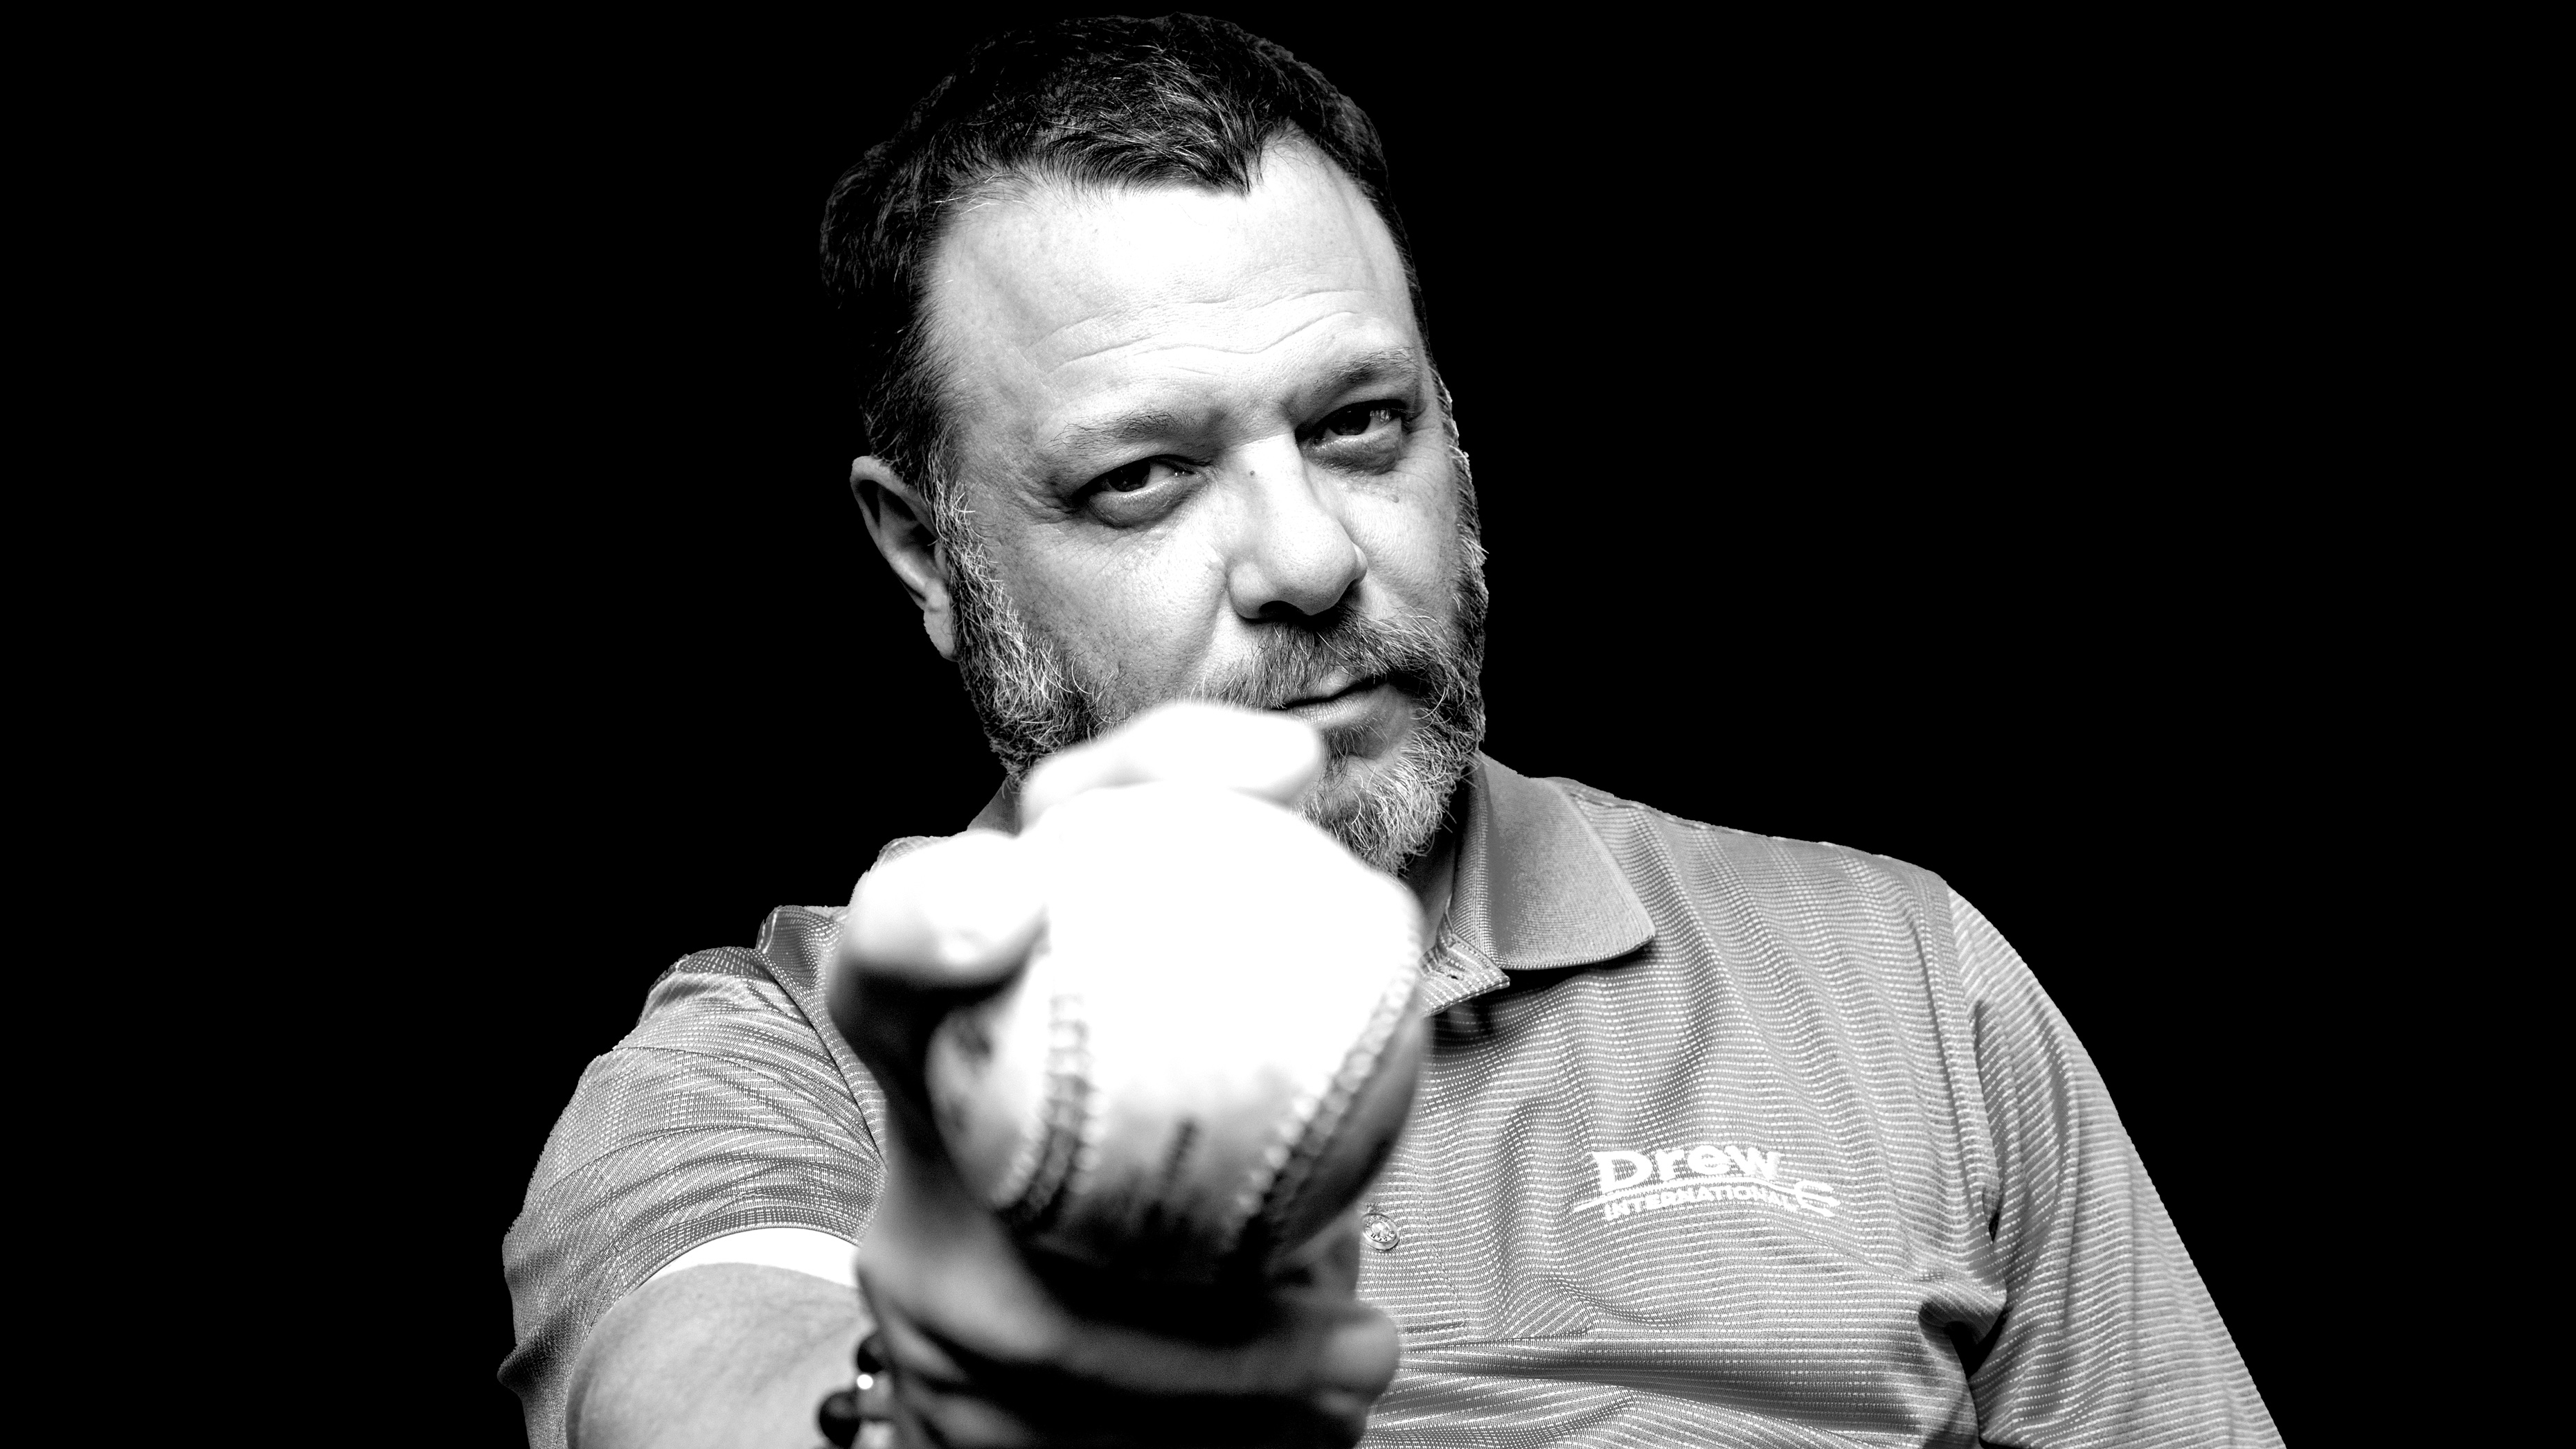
(1001, 813)
(1536, 890)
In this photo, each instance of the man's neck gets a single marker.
(1431, 877)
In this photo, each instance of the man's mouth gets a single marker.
(1331, 688)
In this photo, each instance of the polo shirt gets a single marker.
(1721, 1139)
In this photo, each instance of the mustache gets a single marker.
(1298, 661)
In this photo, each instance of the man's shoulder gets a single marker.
(780, 977)
(792, 948)
(1645, 839)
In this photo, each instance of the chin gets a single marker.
(1387, 805)
(1361, 756)
(1375, 740)
(1344, 784)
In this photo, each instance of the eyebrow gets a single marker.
(1151, 424)
(1142, 426)
(1387, 364)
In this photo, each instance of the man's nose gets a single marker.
(1292, 550)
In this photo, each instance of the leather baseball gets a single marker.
(1211, 1050)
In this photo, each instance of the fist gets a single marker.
(1172, 878)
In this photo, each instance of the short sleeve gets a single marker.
(730, 1106)
(2108, 1336)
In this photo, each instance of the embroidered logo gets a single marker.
(1703, 1172)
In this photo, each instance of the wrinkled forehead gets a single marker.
(1045, 289)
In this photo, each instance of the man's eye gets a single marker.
(1130, 477)
(1358, 418)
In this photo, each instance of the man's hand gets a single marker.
(987, 1346)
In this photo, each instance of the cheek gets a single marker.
(1137, 620)
(1412, 543)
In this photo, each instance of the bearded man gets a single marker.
(1720, 1139)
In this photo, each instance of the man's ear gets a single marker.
(899, 520)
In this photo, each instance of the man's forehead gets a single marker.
(1049, 288)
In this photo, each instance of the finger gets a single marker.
(930, 1394)
(959, 913)
(966, 1317)
(1307, 1343)
(924, 934)
(965, 1401)
(1330, 1261)
(957, 1419)
(1313, 1378)
(1274, 756)
(1315, 1344)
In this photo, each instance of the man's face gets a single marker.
(1205, 456)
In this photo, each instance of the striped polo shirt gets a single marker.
(1721, 1139)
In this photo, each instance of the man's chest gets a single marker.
(1693, 1186)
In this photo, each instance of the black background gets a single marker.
(1884, 437)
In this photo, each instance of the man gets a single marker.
(1721, 1138)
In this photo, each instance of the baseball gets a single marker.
(1211, 1049)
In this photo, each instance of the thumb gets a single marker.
(1272, 756)
(925, 933)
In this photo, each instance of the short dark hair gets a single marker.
(1115, 101)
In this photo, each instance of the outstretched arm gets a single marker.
(724, 1356)
(983, 1347)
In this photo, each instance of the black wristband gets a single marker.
(843, 1411)
(838, 1417)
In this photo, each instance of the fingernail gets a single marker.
(985, 904)
(968, 902)
(1360, 1357)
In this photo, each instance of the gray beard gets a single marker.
(1034, 701)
